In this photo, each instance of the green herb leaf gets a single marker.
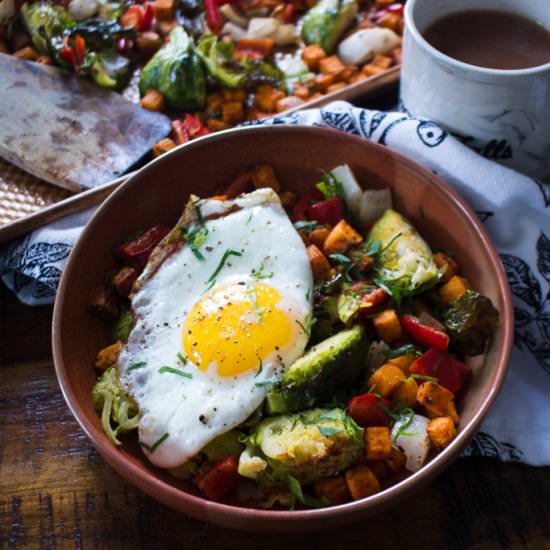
(307, 325)
(388, 411)
(406, 422)
(172, 370)
(260, 272)
(265, 383)
(156, 444)
(137, 365)
(229, 252)
(260, 367)
(181, 358)
(295, 489)
(392, 290)
(373, 248)
(331, 187)
(251, 293)
(316, 502)
(407, 349)
(425, 378)
(195, 235)
(306, 226)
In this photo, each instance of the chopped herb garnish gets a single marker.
(195, 235)
(249, 217)
(372, 248)
(260, 272)
(306, 226)
(344, 261)
(229, 252)
(181, 358)
(260, 367)
(307, 325)
(331, 187)
(424, 378)
(156, 444)
(406, 417)
(393, 291)
(407, 349)
(388, 411)
(251, 293)
(308, 294)
(295, 489)
(264, 383)
(199, 214)
(328, 431)
(172, 370)
(137, 365)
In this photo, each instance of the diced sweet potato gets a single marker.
(319, 236)
(405, 393)
(341, 238)
(370, 69)
(390, 21)
(45, 60)
(334, 489)
(335, 87)
(302, 91)
(449, 264)
(264, 176)
(215, 125)
(214, 103)
(312, 56)
(163, 146)
(148, 42)
(382, 61)
(323, 81)
(403, 361)
(441, 431)
(358, 77)
(28, 53)
(153, 101)
(377, 443)
(378, 468)
(396, 461)
(287, 198)
(320, 266)
(331, 65)
(108, 356)
(232, 112)
(232, 94)
(386, 379)
(361, 482)
(266, 98)
(347, 73)
(437, 400)
(103, 303)
(453, 289)
(164, 9)
(387, 325)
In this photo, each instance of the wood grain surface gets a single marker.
(56, 492)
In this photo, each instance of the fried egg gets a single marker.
(221, 310)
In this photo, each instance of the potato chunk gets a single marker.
(437, 400)
(361, 482)
(335, 489)
(378, 443)
(386, 379)
(441, 431)
(108, 356)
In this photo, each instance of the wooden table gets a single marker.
(57, 492)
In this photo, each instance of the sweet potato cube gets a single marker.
(387, 326)
(449, 264)
(323, 81)
(267, 97)
(335, 87)
(331, 65)
(361, 482)
(163, 146)
(403, 361)
(232, 94)
(370, 69)
(312, 56)
(382, 61)
(320, 266)
(341, 238)
(232, 112)
(405, 393)
(215, 125)
(108, 356)
(214, 103)
(453, 289)
(377, 443)
(287, 198)
(153, 101)
(396, 461)
(28, 53)
(386, 379)
(437, 400)
(302, 91)
(264, 176)
(164, 9)
(319, 236)
(441, 431)
(334, 489)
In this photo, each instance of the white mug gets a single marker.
(502, 114)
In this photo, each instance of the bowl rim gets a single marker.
(205, 509)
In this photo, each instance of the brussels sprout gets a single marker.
(405, 264)
(99, 34)
(325, 22)
(115, 406)
(218, 59)
(110, 70)
(307, 446)
(177, 73)
(45, 21)
(261, 72)
(470, 321)
(332, 365)
(123, 326)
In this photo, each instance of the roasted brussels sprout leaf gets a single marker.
(325, 22)
(218, 59)
(123, 326)
(404, 263)
(110, 70)
(44, 22)
(307, 446)
(99, 34)
(177, 73)
(470, 321)
(116, 407)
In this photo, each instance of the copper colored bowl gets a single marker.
(158, 193)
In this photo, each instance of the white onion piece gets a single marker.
(373, 203)
(413, 441)
(229, 12)
(364, 44)
(352, 190)
(285, 35)
(262, 27)
(82, 9)
(7, 10)
(234, 31)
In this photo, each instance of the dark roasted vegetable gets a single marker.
(470, 321)
(110, 70)
(99, 34)
(218, 59)
(123, 326)
(177, 73)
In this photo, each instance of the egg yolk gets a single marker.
(237, 327)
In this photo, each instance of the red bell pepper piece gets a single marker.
(424, 334)
(79, 50)
(124, 279)
(395, 8)
(221, 479)
(329, 211)
(240, 184)
(368, 410)
(289, 13)
(133, 17)
(194, 126)
(142, 246)
(148, 16)
(180, 134)
(449, 372)
(300, 209)
(213, 16)
(67, 53)
(248, 53)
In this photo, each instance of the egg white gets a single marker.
(193, 411)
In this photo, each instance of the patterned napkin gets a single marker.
(515, 210)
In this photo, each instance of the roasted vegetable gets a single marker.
(405, 264)
(325, 22)
(219, 61)
(310, 445)
(332, 365)
(110, 70)
(99, 34)
(44, 22)
(177, 73)
(470, 321)
(410, 435)
(123, 326)
(363, 45)
(116, 407)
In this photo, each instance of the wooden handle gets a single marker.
(73, 204)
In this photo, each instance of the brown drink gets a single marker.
(493, 39)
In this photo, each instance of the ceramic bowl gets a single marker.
(157, 194)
